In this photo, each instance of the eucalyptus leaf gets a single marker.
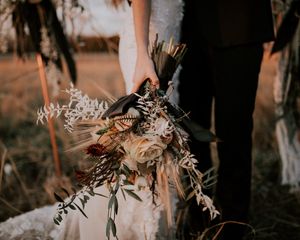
(111, 201)
(123, 193)
(65, 190)
(91, 192)
(126, 170)
(108, 227)
(58, 198)
(113, 227)
(132, 194)
(59, 218)
(56, 222)
(116, 206)
(79, 208)
(83, 202)
(72, 207)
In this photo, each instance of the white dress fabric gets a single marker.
(135, 220)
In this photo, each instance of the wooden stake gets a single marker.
(57, 163)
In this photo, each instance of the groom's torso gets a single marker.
(233, 22)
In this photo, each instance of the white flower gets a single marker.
(80, 107)
(140, 183)
(133, 112)
(143, 148)
(163, 128)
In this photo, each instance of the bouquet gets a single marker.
(140, 141)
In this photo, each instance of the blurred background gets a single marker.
(86, 35)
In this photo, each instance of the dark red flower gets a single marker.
(95, 149)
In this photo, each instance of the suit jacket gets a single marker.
(231, 22)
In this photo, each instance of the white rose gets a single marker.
(144, 148)
(131, 164)
(140, 183)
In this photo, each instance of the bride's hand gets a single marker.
(144, 70)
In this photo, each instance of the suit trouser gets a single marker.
(229, 75)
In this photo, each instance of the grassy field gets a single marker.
(27, 178)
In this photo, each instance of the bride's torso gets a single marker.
(166, 16)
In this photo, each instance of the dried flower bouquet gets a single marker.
(138, 142)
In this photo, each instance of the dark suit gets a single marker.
(224, 40)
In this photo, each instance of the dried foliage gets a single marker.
(274, 211)
(138, 142)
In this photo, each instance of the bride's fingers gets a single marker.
(135, 87)
(154, 80)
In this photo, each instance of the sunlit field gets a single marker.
(27, 174)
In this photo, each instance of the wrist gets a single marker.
(143, 54)
(142, 51)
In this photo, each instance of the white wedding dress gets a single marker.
(135, 220)
(165, 21)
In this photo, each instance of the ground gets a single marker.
(27, 178)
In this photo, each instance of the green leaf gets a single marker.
(102, 131)
(116, 206)
(65, 211)
(82, 202)
(113, 226)
(116, 187)
(79, 208)
(111, 201)
(58, 198)
(56, 222)
(116, 166)
(91, 192)
(122, 190)
(108, 227)
(65, 190)
(132, 194)
(126, 170)
(72, 207)
(59, 218)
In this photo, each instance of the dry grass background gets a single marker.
(25, 150)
